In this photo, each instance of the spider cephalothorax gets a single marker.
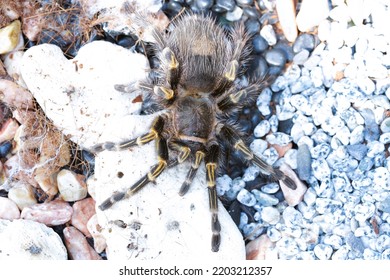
(196, 86)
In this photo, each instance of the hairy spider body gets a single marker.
(196, 87)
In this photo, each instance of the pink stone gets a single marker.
(14, 95)
(51, 213)
(262, 248)
(77, 245)
(83, 210)
(8, 209)
(293, 197)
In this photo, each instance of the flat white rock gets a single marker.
(78, 95)
(29, 240)
(160, 223)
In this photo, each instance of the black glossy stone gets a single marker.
(275, 70)
(252, 26)
(174, 7)
(204, 4)
(285, 126)
(275, 57)
(256, 117)
(228, 5)
(259, 44)
(244, 2)
(284, 46)
(235, 211)
(258, 67)
(126, 41)
(251, 12)
(5, 148)
(304, 41)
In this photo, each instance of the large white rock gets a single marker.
(78, 95)
(29, 240)
(160, 223)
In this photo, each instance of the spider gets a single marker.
(197, 90)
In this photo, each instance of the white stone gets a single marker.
(286, 14)
(71, 185)
(311, 14)
(78, 95)
(8, 209)
(171, 226)
(29, 240)
(270, 215)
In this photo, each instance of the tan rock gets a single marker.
(77, 245)
(99, 242)
(22, 194)
(9, 37)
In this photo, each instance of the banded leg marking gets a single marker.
(211, 167)
(154, 132)
(199, 155)
(151, 176)
(240, 97)
(172, 67)
(237, 143)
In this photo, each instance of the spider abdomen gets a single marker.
(194, 118)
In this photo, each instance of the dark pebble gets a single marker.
(258, 67)
(171, 8)
(235, 211)
(286, 48)
(285, 126)
(259, 44)
(256, 117)
(244, 2)
(250, 212)
(358, 151)
(204, 4)
(251, 12)
(228, 5)
(252, 26)
(5, 148)
(275, 57)
(275, 70)
(126, 41)
(304, 160)
(304, 41)
(218, 10)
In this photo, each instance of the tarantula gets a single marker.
(197, 88)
